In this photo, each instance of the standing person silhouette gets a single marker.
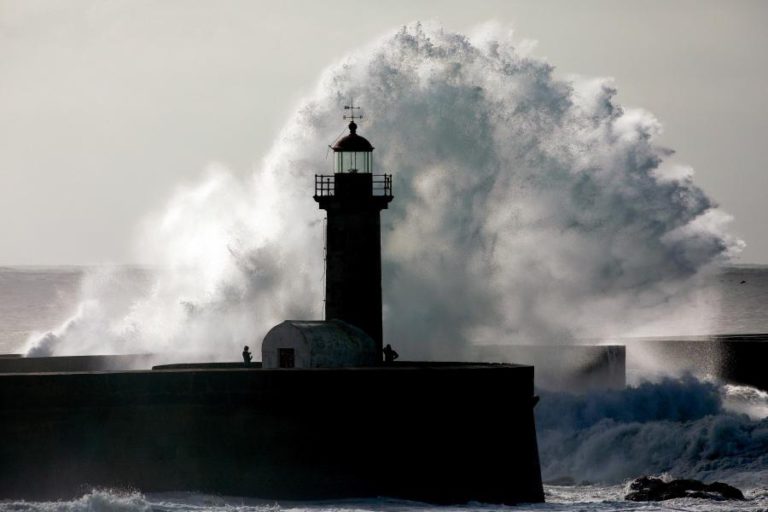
(247, 357)
(390, 354)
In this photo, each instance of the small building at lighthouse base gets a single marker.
(317, 344)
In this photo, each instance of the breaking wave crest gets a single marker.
(96, 500)
(685, 428)
(527, 208)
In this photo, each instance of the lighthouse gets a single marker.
(353, 197)
(351, 334)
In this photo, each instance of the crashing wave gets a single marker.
(679, 427)
(527, 208)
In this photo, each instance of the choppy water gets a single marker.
(678, 427)
(559, 498)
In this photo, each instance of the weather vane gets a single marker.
(351, 107)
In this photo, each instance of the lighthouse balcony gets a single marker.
(360, 185)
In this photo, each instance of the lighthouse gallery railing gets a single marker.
(381, 185)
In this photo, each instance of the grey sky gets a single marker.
(105, 107)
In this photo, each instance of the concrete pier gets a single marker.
(15, 363)
(573, 368)
(441, 433)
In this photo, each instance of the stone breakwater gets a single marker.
(427, 432)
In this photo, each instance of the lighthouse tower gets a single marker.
(353, 198)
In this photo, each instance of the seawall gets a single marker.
(573, 368)
(442, 433)
(15, 363)
(734, 358)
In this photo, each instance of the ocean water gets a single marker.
(677, 427)
(35, 300)
(742, 300)
(559, 498)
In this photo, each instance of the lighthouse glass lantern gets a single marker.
(353, 153)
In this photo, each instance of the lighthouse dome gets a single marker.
(353, 141)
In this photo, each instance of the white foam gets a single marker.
(678, 427)
(527, 208)
(589, 498)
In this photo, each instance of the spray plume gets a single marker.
(683, 427)
(527, 208)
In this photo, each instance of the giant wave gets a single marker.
(528, 208)
(684, 427)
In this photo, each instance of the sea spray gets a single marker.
(683, 427)
(527, 208)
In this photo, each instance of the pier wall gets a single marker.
(441, 433)
(573, 368)
(737, 359)
(97, 363)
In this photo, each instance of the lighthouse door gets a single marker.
(286, 358)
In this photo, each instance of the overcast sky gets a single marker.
(106, 107)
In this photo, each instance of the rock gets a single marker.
(655, 489)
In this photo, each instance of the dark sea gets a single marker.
(683, 427)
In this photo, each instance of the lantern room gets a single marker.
(353, 153)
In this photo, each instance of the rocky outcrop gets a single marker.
(655, 489)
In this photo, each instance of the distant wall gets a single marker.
(439, 433)
(19, 364)
(576, 368)
(739, 359)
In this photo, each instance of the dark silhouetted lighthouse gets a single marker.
(353, 197)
